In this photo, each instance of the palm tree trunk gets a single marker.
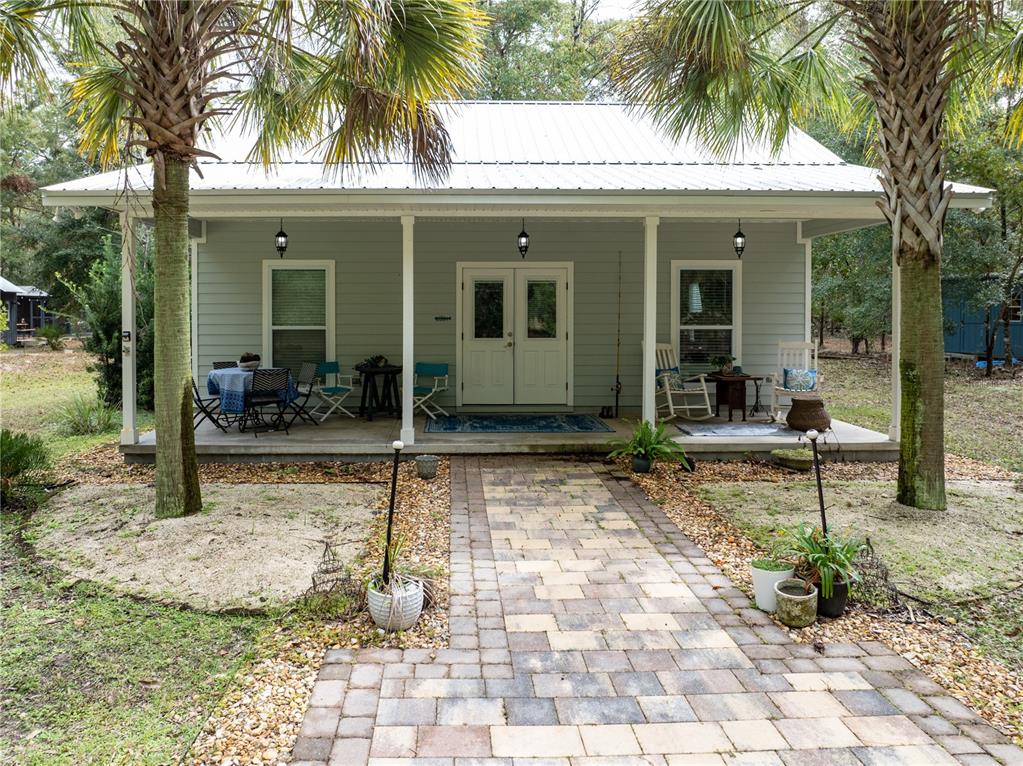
(922, 374)
(177, 475)
(905, 47)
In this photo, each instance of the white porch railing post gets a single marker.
(129, 431)
(408, 429)
(895, 429)
(649, 316)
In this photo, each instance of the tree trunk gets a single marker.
(989, 341)
(922, 373)
(905, 46)
(177, 475)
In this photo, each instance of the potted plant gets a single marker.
(648, 444)
(827, 560)
(395, 599)
(396, 602)
(766, 572)
(797, 602)
(723, 363)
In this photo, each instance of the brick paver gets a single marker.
(587, 630)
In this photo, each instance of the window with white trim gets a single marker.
(706, 304)
(298, 313)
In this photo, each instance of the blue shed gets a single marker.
(964, 328)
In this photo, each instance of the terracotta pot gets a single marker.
(797, 608)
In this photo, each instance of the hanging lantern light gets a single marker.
(281, 240)
(523, 240)
(739, 240)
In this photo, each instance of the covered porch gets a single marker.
(350, 440)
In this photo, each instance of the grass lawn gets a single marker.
(87, 677)
(982, 416)
(35, 384)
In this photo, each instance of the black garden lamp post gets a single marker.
(812, 435)
(397, 446)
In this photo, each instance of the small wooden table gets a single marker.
(731, 389)
(382, 398)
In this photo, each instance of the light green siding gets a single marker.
(368, 290)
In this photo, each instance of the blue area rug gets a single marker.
(536, 424)
(736, 429)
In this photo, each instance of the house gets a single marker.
(9, 298)
(964, 327)
(628, 234)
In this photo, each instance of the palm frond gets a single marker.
(100, 103)
(25, 42)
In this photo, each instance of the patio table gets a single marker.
(232, 384)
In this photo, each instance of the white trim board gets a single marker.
(568, 266)
(713, 265)
(328, 266)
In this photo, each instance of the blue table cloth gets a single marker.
(233, 383)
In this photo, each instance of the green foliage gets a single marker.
(543, 50)
(37, 140)
(823, 559)
(4, 324)
(82, 417)
(718, 362)
(21, 457)
(53, 335)
(100, 299)
(650, 443)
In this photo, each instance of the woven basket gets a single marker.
(808, 412)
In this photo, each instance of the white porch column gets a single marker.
(649, 316)
(895, 429)
(408, 429)
(129, 431)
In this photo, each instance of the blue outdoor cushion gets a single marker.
(799, 380)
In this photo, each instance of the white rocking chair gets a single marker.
(675, 395)
(792, 355)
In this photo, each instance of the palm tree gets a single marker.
(719, 68)
(361, 75)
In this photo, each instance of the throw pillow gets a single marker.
(799, 380)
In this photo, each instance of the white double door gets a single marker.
(514, 335)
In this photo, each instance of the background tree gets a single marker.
(363, 82)
(547, 50)
(722, 69)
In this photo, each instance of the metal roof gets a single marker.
(529, 147)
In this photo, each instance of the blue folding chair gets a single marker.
(423, 394)
(331, 396)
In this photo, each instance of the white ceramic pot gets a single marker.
(763, 586)
(398, 607)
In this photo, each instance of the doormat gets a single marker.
(737, 429)
(536, 424)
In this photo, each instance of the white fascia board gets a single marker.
(257, 203)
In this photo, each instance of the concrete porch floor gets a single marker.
(358, 439)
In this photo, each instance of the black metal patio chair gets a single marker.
(305, 385)
(224, 365)
(269, 391)
(206, 408)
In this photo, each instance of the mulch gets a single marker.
(933, 645)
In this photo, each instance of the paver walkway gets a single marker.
(587, 629)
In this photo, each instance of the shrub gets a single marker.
(650, 443)
(53, 336)
(21, 455)
(82, 417)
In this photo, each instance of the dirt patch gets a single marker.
(253, 546)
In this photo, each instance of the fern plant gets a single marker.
(21, 456)
(650, 443)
